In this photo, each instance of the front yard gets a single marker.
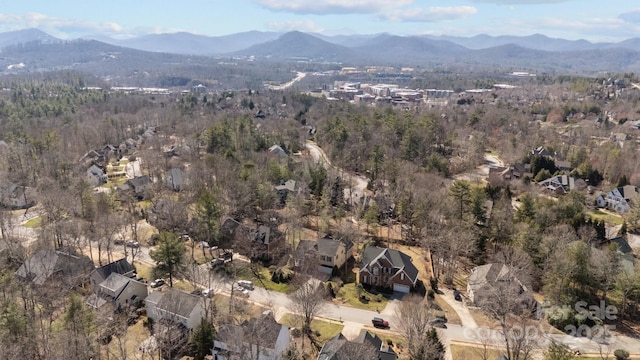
(361, 299)
(324, 330)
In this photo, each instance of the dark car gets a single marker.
(380, 322)
(216, 262)
(457, 295)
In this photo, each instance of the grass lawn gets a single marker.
(143, 270)
(481, 318)
(130, 343)
(449, 312)
(348, 293)
(263, 279)
(33, 222)
(607, 217)
(326, 329)
(471, 352)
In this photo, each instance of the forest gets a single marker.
(422, 170)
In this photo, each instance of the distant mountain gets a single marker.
(188, 43)
(296, 45)
(410, 49)
(25, 36)
(536, 42)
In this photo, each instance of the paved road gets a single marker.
(299, 76)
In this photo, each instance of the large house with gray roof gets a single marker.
(119, 290)
(388, 268)
(339, 348)
(176, 306)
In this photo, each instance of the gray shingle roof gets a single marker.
(398, 259)
(178, 302)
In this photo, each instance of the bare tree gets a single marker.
(308, 301)
(512, 306)
(413, 320)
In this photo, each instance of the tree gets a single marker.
(208, 213)
(78, 326)
(169, 254)
(308, 301)
(557, 351)
(413, 318)
(202, 339)
(460, 190)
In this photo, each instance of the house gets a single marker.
(338, 348)
(96, 176)
(55, 265)
(618, 199)
(15, 196)
(278, 151)
(562, 184)
(329, 253)
(257, 338)
(119, 290)
(139, 185)
(495, 278)
(101, 274)
(388, 268)
(284, 189)
(254, 242)
(521, 171)
(176, 306)
(564, 165)
(175, 179)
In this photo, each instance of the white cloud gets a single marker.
(57, 26)
(522, 2)
(432, 14)
(303, 25)
(333, 6)
(632, 16)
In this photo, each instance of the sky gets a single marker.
(593, 20)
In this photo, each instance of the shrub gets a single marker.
(621, 354)
(431, 294)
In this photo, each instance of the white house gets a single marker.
(176, 305)
(618, 199)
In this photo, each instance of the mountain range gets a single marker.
(535, 52)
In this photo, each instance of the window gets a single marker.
(328, 258)
(401, 276)
(375, 271)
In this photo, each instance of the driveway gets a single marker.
(463, 312)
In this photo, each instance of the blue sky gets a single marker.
(601, 20)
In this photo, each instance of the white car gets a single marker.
(245, 284)
(207, 293)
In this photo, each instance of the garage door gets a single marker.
(401, 288)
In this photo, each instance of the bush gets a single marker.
(621, 354)
(433, 282)
(431, 294)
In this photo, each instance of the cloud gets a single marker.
(632, 16)
(521, 2)
(57, 26)
(320, 7)
(432, 14)
(302, 25)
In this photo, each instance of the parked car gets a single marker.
(245, 284)
(203, 245)
(380, 322)
(457, 295)
(207, 292)
(216, 262)
(132, 244)
(157, 283)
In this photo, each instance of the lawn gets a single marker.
(349, 294)
(263, 278)
(325, 329)
(472, 352)
(607, 217)
(33, 222)
(450, 313)
(130, 343)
